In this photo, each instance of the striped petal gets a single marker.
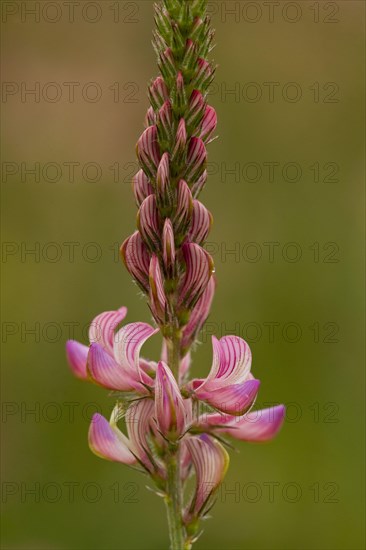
(158, 301)
(108, 441)
(77, 356)
(158, 93)
(142, 188)
(199, 268)
(148, 151)
(136, 259)
(180, 143)
(209, 123)
(196, 109)
(168, 247)
(196, 160)
(198, 315)
(150, 118)
(139, 423)
(201, 223)
(235, 399)
(170, 412)
(148, 222)
(128, 342)
(211, 462)
(184, 211)
(104, 370)
(163, 187)
(259, 426)
(102, 328)
(165, 122)
(232, 360)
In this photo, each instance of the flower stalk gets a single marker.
(174, 425)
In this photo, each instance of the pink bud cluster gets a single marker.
(165, 255)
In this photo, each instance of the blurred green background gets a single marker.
(292, 286)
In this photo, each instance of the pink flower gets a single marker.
(229, 387)
(113, 359)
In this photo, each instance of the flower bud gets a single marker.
(183, 213)
(203, 76)
(148, 151)
(167, 65)
(180, 143)
(165, 124)
(157, 294)
(168, 247)
(148, 223)
(150, 118)
(164, 192)
(158, 93)
(179, 98)
(190, 56)
(196, 160)
(141, 187)
(209, 123)
(136, 259)
(201, 223)
(199, 268)
(199, 315)
(196, 109)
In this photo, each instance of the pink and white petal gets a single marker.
(77, 356)
(232, 360)
(236, 359)
(216, 361)
(102, 328)
(170, 411)
(104, 370)
(234, 400)
(211, 462)
(185, 460)
(108, 441)
(128, 342)
(259, 426)
(139, 423)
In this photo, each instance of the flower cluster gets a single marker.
(162, 411)
(175, 425)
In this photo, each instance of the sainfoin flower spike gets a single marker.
(166, 423)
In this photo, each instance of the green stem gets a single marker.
(174, 503)
(174, 496)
